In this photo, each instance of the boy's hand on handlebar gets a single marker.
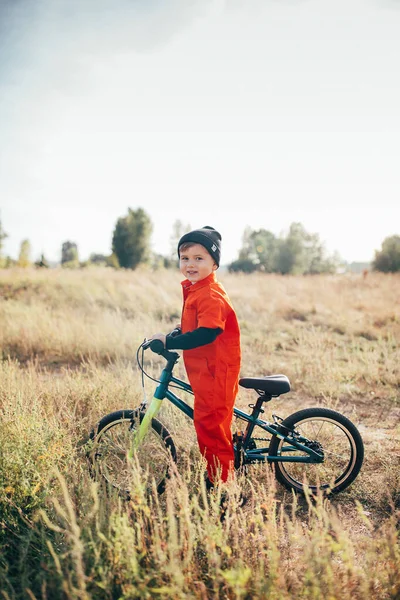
(161, 337)
(158, 336)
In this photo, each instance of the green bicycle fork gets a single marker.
(150, 413)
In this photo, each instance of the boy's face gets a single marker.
(196, 263)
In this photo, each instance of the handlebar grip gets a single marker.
(156, 346)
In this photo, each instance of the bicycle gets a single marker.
(313, 450)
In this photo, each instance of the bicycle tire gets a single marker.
(110, 442)
(343, 452)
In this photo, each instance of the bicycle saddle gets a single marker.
(272, 385)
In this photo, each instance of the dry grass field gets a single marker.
(68, 342)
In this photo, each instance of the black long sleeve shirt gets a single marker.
(192, 339)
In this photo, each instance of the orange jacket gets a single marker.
(206, 304)
(212, 369)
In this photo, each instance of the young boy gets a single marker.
(210, 340)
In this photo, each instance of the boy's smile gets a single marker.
(196, 263)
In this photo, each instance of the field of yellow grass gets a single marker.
(68, 342)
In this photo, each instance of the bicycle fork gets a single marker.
(150, 413)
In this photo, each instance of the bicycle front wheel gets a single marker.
(325, 431)
(112, 442)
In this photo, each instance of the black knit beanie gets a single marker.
(208, 237)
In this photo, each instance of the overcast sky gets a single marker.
(227, 113)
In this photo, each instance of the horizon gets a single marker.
(224, 263)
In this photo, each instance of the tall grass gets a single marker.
(68, 341)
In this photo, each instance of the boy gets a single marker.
(210, 340)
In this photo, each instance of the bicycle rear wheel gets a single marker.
(326, 431)
(111, 442)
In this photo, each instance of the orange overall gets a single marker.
(212, 370)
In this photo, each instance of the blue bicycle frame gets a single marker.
(250, 455)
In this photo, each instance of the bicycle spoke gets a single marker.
(113, 445)
(335, 446)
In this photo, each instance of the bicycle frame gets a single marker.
(250, 455)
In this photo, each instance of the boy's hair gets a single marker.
(208, 237)
(187, 245)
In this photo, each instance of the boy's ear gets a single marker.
(214, 267)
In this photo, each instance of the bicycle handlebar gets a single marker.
(158, 347)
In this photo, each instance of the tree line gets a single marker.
(298, 252)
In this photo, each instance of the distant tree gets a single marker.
(299, 252)
(24, 254)
(331, 263)
(69, 255)
(112, 261)
(98, 259)
(8, 262)
(258, 252)
(302, 253)
(131, 239)
(387, 259)
(291, 251)
(314, 255)
(262, 249)
(243, 265)
(178, 230)
(101, 260)
(42, 262)
(3, 236)
(159, 261)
